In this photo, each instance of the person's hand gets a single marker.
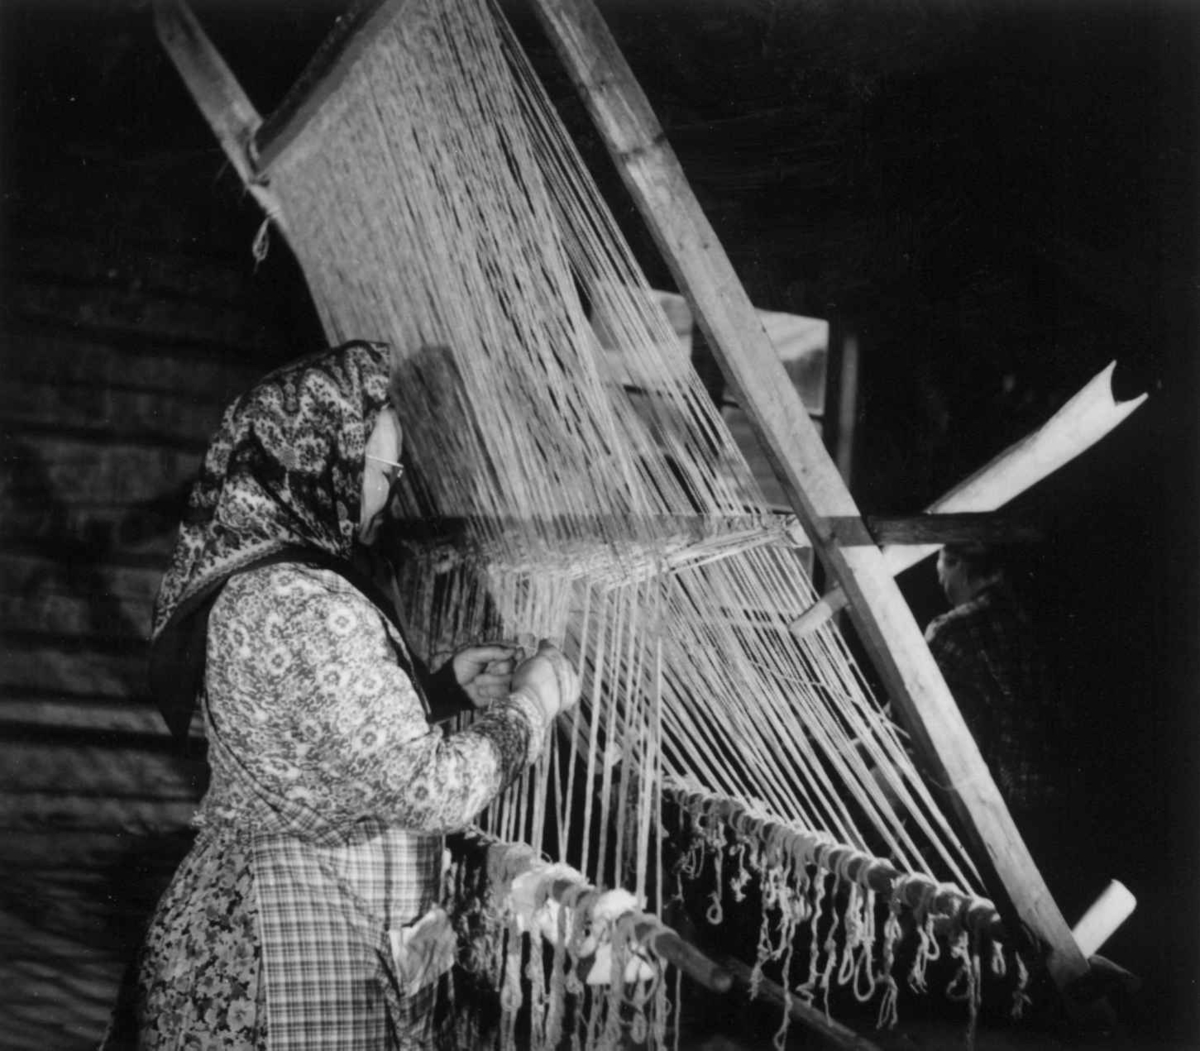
(549, 677)
(485, 672)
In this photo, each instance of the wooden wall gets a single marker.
(132, 313)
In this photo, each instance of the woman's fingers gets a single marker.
(488, 652)
(564, 673)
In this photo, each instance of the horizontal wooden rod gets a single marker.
(945, 900)
(798, 1011)
(454, 528)
(676, 950)
(876, 530)
(668, 943)
(915, 890)
(983, 528)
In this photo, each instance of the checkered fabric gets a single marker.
(347, 788)
(328, 969)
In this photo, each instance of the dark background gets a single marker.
(999, 198)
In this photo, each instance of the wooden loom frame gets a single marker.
(701, 268)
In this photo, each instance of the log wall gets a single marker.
(132, 314)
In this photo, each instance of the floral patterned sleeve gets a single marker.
(303, 683)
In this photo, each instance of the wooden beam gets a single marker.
(324, 75)
(228, 110)
(944, 901)
(986, 528)
(809, 478)
(1076, 427)
(875, 530)
(832, 1032)
(1085, 418)
(647, 928)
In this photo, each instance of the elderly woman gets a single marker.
(306, 914)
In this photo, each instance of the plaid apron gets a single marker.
(329, 901)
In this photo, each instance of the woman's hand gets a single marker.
(485, 672)
(550, 678)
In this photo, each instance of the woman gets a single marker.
(305, 914)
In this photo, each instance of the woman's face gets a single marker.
(954, 577)
(380, 471)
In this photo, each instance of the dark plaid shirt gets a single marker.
(988, 653)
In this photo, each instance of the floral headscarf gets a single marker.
(283, 471)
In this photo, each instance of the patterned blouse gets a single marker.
(320, 835)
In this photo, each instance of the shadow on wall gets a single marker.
(95, 796)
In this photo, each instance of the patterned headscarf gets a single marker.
(283, 471)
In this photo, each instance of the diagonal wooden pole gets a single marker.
(809, 478)
(215, 89)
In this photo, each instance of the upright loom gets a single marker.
(565, 489)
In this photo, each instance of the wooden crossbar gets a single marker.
(983, 528)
